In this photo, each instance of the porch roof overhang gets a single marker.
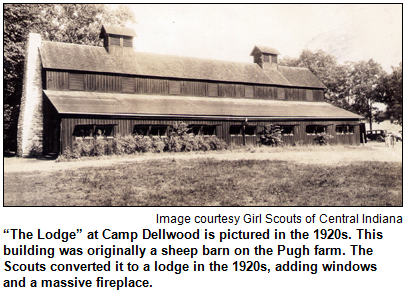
(95, 103)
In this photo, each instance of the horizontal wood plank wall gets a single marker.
(124, 126)
(94, 82)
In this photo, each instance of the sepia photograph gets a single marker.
(202, 105)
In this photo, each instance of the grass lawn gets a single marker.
(210, 182)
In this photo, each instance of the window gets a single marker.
(315, 129)
(288, 130)
(104, 131)
(195, 129)
(213, 90)
(76, 82)
(250, 130)
(127, 85)
(274, 58)
(83, 131)
(236, 130)
(344, 129)
(208, 130)
(141, 130)
(249, 91)
(266, 58)
(90, 131)
(159, 131)
(203, 130)
(147, 130)
(174, 87)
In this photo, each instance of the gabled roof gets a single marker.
(96, 59)
(75, 102)
(264, 49)
(117, 30)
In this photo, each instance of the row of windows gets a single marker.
(86, 131)
(76, 83)
(83, 131)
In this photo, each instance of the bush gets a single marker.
(100, 145)
(158, 145)
(271, 135)
(323, 138)
(83, 148)
(143, 144)
(202, 144)
(216, 143)
(117, 146)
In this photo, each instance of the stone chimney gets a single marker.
(118, 40)
(30, 122)
(266, 57)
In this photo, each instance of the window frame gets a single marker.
(91, 136)
(235, 127)
(104, 126)
(315, 133)
(347, 131)
(254, 128)
(201, 130)
(284, 127)
(158, 127)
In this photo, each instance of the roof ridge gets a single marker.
(55, 42)
(295, 67)
(192, 57)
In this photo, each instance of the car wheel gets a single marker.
(379, 139)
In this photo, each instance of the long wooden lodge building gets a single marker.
(73, 91)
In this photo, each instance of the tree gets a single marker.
(72, 23)
(351, 86)
(364, 78)
(390, 92)
(330, 73)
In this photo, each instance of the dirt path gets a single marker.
(327, 155)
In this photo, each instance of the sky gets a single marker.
(230, 31)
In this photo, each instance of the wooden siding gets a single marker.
(56, 80)
(125, 126)
(151, 86)
(94, 82)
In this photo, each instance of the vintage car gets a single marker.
(377, 135)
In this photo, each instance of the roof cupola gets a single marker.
(266, 57)
(117, 40)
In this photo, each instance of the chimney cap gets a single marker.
(117, 30)
(264, 49)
